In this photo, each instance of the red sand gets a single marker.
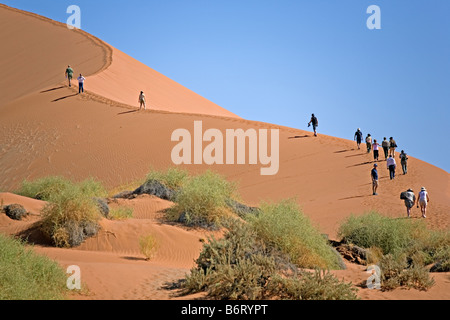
(46, 129)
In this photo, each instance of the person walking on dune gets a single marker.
(369, 143)
(358, 137)
(142, 101)
(69, 75)
(391, 165)
(392, 146)
(386, 145)
(376, 147)
(404, 161)
(374, 175)
(410, 200)
(81, 80)
(423, 200)
(315, 124)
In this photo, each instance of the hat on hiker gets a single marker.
(423, 189)
(375, 165)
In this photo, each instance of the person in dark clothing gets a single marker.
(386, 145)
(374, 175)
(315, 123)
(404, 161)
(358, 137)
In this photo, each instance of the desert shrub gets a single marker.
(70, 217)
(442, 260)
(397, 272)
(319, 285)
(24, 275)
(375, 230)
(285, 227)
(48, 187)
(203, 200)
(173, 178)
(44, 188)
(148, 246)
(121, 213)
(241, 266)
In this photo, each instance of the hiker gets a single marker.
(404, 161)
(69, 75)
(391, 165)
(315, 124)
(374, 175)
(369, 143)
(376, 147)
(410, 200)
(392, 146)
(81, 83)
(423, 200)
(142, 100)
(386, 145)
(358, 137)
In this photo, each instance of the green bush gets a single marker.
(407, 247)
(25, 275)
(49, 187)
(240, 266)
(285, 227)
(173, 178)
(70, 217)
(397, 272)
(44, 188)
(375, 230)
(203, 200)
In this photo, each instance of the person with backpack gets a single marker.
(386, 145)
(391, 165)
(315, 123)
(376, 147)
(410, 199)
(369, 143)
(69, 75)
(392, 146)
(404, 161)
(423, 200)
(374, 176)
(358, 137)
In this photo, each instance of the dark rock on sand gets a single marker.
(15, 211)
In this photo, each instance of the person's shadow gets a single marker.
(62, 98)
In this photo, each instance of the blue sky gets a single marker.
(278, 61)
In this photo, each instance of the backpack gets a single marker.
(315, 121)
(403, 195)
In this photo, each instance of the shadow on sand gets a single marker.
(52, 89)
(299, 137)
(126, 112)
(62, 98)
(342, 151)
(134, 258)
(354, 197)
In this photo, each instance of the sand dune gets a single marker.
(47, 129)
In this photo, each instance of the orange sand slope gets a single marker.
(47, 129)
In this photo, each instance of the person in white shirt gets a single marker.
(142, 100)
(81, 83)
(391, 165)
(376, 147)
(423, 200)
